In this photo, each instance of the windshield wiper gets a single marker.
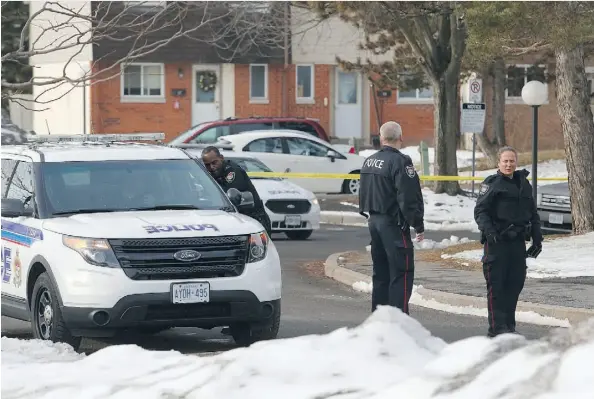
(165, 208)
(97, 210)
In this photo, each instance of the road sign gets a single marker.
(475, 90)
(472, 119)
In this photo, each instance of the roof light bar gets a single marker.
(101, 138)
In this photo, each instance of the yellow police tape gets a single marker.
(355, 176)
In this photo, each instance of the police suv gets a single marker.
(103, 233)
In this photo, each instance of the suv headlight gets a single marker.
(314, 201)
(258, 246)
(95, 251)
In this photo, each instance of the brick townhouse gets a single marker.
(187, 82)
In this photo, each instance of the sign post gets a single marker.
(473, 121)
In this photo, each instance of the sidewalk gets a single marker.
(571, 299)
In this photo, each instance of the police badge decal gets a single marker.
(484, 189)
(410, 171)
(230, 177)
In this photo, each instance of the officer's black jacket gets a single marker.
(389, 185)
(234, 176)
(503, 201)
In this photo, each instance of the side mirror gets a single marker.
(332, 155)
(234, 196)
(247, 200)
(12, 208)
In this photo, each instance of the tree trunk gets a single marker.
(490, 147)
(573, 103)
(447, 126)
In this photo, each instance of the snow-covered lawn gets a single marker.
(571, 256)
(553, 168)
(388, 356)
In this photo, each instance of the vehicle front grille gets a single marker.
(289, 207)
(555, 201)
(152, 259)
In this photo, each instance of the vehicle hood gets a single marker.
(555, 189)
(153, 224)
(278, 189)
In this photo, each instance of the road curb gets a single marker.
(342, 218)
(334, 270)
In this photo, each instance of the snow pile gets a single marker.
(571, 256)
(431, 244)
(389, 356)
(418, 299)
(464, 156)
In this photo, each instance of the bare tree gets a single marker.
(119, 33)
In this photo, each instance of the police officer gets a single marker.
(507, 217)
(230, 175)
(390, 192)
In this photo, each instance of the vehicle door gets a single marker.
(21, 235)
(210, 135)
(238, 128)
(269, 150)
(308, 156)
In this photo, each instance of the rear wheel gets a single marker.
(245, 334)
(351, 186)
(46, 317)
(299, 234)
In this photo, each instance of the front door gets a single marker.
(206, 94)
(348, 115)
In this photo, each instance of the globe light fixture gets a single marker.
(535, 94)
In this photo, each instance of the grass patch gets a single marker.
(524, 158)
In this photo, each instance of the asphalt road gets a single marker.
(312, 303)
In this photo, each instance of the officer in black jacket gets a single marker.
(507, 217)
(390, 192)
(230, 175)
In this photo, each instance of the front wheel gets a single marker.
(245, 334)
(299, 234)
(46, 317)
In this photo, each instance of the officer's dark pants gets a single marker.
(392, 254)
(504, 267)
(262, 217)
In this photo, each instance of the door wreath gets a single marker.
(207, 81)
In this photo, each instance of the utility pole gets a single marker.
(285, 86)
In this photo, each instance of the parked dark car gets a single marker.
(209, 132)
(554, 208)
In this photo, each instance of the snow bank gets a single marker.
(553, 168)
(431, 244)
(571, 256)
(390, 355)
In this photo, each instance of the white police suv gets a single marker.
(101, 233)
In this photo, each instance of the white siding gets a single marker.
(62, 108)
(21, 115)
(321, 43)
(228, 90)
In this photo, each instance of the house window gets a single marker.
(143, 81)
(304, 77)
(519, 75)
(419, 94)
(259, 82)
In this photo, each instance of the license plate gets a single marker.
(555, 218)
(293, 220)
(190, 292)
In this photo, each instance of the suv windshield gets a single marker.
(110, 186)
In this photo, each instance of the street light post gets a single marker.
(534, 93)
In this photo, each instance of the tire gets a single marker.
(245, 334)
(351, 186)
(45, 312)
(299, 234)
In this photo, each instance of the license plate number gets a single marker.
(555, 218)
(190, 292)
(293, 220)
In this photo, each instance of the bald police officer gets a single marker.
(507, 217)
(390, 192)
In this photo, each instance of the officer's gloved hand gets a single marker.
(492, 238)
(534, 250)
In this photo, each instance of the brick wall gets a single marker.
(274, 107)
(110, 115)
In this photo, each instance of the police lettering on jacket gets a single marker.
(503, 202)
(390, 185)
